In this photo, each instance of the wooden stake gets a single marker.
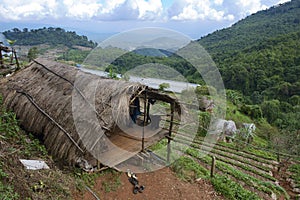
(213, 166)
(17, 62)
(170, 131)
(144, 122)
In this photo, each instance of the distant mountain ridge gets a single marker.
(259, 56)
(252, 30)
(51, 35)
(153, 52)
(265, 43)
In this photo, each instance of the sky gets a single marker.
(195, 18)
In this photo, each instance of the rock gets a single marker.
(273, 196)
(296, 190)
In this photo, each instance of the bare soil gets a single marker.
(161, 184)
(282, 177)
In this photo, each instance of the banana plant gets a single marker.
(13, 52)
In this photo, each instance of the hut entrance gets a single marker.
(148, 122)
(151, 120)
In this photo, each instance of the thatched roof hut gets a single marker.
(78, 115)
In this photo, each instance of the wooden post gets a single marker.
(170, 131)
(278, 156)
(17, 62)
(213, 166)
(279, 163)
(1, 58)
(144, 122)
(98, 164)
(12, 55)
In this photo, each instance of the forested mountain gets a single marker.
(52, 36)
(254, 29)
(260, 57)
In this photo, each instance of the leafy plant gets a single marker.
(295, 169)
(232, 190)
(6, 190)
(163, 86)
(188, 170)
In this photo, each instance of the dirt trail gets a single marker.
(282, 176)
(161, 184)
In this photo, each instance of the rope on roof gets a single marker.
(76, 88)
(30, 98)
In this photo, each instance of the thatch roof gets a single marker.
(53, 101)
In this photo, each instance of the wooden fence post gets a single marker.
(213, 166)
(144, 122)
(170, 131)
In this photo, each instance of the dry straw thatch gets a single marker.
(41, 97)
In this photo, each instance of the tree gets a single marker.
(287, 142)
(163, 86)
(112, 74)
(271, 110)
(32, 53)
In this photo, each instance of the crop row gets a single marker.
(254, 152)
(260, 164)
(237, 163)
(264, 186)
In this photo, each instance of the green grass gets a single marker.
(6, 191)
(88, 179)
(295, 169)
(189, 170)
(232, 190)
(43, 184)
(263, 186)
(233, 113)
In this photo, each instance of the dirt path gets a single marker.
(282, 176)
(162, 184)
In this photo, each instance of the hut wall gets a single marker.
(70, 97)
(54, 95)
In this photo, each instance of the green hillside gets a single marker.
(259, 56)
(52, 36)
(254, 29)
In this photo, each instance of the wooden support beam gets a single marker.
(17, 61)
(174, 122)
(1, 58)
(169, 138)
(144, 122)
(170, 131)
(213, 166)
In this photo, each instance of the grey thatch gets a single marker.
(41, 96)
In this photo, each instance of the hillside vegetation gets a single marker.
(258, 56)
(52, 36)
(254, 29)
(259, 59)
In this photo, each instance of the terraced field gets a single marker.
(253, 168)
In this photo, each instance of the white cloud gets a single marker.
(218, 2)
(81, 9)
(246, 7)
(111, 5)
(283, 1)
(198, 10)
(27, 9)
(120, 10)
(151, 9)
(131, 9)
